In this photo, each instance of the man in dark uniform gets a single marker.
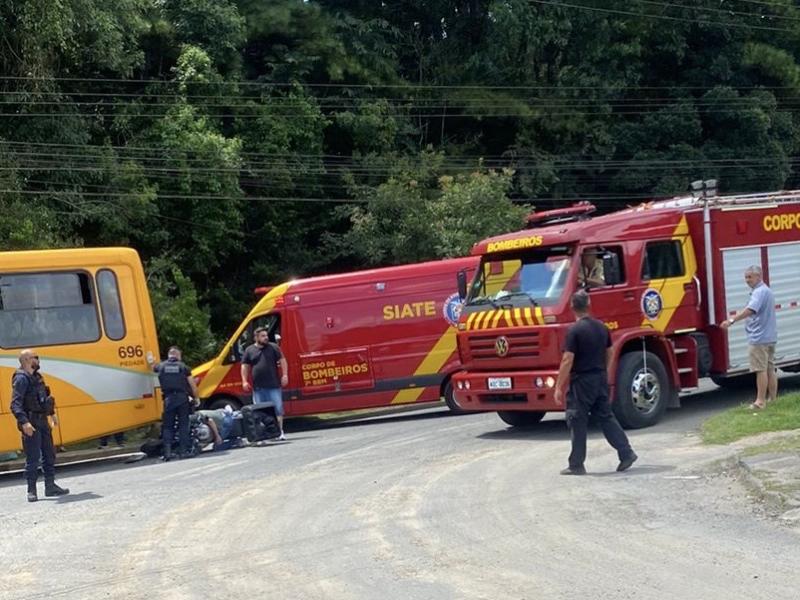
(176, 383)
(31, 405)
(587, 352)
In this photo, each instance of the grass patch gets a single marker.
(781, 415)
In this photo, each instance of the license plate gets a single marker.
(499, 383)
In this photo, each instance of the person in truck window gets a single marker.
(590, 273)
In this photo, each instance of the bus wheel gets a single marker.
(222, 402)
(641, 395)
(521, 418)
(450, 399)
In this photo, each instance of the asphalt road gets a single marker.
(418, 506)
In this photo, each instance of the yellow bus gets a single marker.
(87, 314)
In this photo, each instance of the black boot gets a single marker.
(51, 489)
(32, 496)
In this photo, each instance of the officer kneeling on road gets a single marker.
(587, 353)
(176, 383)
(31, 405)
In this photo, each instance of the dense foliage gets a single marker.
(236, 143)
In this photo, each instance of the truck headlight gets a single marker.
(539, 382)
(550, 382)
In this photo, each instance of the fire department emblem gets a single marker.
(652, 304)
(452, 309)
(501, 346)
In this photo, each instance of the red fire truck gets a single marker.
(358, 340)
(669, 272)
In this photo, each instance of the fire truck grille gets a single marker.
(518, 345)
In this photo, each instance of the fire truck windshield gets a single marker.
(536, 277)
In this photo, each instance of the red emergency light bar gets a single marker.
(576, 212)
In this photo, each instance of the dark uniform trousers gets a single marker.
(176, 409)
(39, 448)
(588, 398)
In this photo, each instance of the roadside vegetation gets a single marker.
(737, 423)
(241, 143)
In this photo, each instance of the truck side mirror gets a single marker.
(461, 278)
(278, 338)
(612, 273)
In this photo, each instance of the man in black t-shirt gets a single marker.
(263, 359)
(587, 352)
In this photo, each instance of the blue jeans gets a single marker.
(271, 396)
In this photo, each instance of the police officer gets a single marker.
(587, 352)
(32, 404)
(176, 383)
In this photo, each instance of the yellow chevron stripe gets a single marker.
(518, 322)
(671, 290)
(470, 319)
(432, 363)
(483, 319)
(496, 319)
(528, 316)
(539, 317)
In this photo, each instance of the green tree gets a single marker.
(419, 214)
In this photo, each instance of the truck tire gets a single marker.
(222, 401)
(521, 418)
(641, 397)
(450, 399)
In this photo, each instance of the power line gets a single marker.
(661, 17)
(407, 86)
(728, 12)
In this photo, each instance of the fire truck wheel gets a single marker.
(221, 402)
(641, 396)
(450, 399)
(519, 418)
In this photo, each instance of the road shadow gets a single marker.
(110, 465)
(69, 498)
(635, 471)
(552, 429)
(300, 424)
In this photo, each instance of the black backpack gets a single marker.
(259, 423)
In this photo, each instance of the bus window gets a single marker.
(273, 324)
(110, 306)
(47, 309)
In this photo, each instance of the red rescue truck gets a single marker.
(670, 272)
(359, 340)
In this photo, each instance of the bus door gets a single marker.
(128, 341)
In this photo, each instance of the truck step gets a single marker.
(683, 370)
(681, 350)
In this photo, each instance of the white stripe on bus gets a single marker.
(103, 384)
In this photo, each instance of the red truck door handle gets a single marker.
(629, 296)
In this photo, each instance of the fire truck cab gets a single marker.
(661, 276)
